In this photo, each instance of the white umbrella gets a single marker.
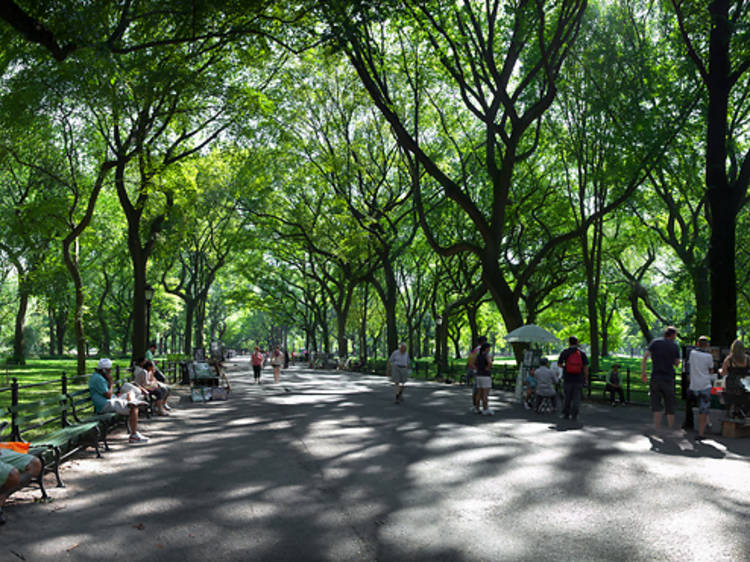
(531, 333)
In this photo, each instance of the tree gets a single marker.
(719, 47)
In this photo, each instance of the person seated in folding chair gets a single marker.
(16, 471)
(546, 395)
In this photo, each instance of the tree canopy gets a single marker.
(342, 176)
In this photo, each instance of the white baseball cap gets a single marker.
(104, 364)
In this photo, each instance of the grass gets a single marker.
(46, 375)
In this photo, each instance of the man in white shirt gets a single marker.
(400, 366)
(701, 379)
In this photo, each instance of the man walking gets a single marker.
(400, 366)
(665, 356)
(471, 371)
(701, 370)
(575, 366)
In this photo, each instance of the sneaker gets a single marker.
(526, 405)
(476, 410)
(138, 438)
(167, 408)
(488, 412)
(699, 437)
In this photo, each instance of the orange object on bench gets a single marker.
(17, 446)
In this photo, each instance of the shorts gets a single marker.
(703, 397)
(10, 460)
(484, 382)
(399, 374)
(662, 389)
(118, 406)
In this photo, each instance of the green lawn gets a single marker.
(47, 371)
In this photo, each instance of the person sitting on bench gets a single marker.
(100, 387)
(613, 385)
(150, 356)
(157, 374)
(144, 378)
(16, 471)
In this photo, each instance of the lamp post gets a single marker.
(438, 351)
(148, 293)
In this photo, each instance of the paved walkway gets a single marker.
(325, 466)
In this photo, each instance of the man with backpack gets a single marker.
(575, 366)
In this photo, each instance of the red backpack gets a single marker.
(574, 363)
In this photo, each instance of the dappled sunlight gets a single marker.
(350, 475)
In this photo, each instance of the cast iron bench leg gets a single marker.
(104, 438)
(96, 442)
(40, 481)
(60, 483)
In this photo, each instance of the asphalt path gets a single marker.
(324, 466)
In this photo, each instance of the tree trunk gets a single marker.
(471, 316)
(200, 321)
(507, 303)
(51, 322)
(126, 335)
(71, 263)
(19, 337)
(105, 343)
(363, 325)
(639, 318)
(188, 333)
(702, 289)
(342, 313)
(138, 335)
(61, 322)
(723, 199)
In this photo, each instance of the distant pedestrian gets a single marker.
(257, 361)
(701, 380)
(484, 377)
(400, 367)
(613, 385)
(277, 360)
(665, 356)
(286, 359)
(471, 372)
(575, 366)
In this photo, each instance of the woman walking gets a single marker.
(277, 360)
(484, 378)
(257, 361)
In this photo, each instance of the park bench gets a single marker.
(39, 480)
(505, 378)
(83, 411)
(64, 437)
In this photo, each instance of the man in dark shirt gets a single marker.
(665, 356)
(575, 374)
